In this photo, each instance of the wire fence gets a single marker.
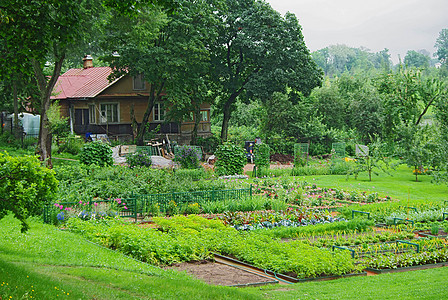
(138, 206)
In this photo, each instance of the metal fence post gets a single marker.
(135, 208)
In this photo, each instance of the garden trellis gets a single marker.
(301, 150)
(361, 150)
(339, 149)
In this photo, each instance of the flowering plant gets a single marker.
(139, 159)
(87, 210)
(188, 157)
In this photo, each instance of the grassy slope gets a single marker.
(46, 263)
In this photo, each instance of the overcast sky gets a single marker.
(399, 25)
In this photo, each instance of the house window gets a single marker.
(205, 116)
(158, 113)
(139, 82)
(189, 117)
(92, 115)
(109, 113)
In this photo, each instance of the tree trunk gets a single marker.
(45, 89)
(16, 104)
(226, 116)
(142, 128)
(416, 170)
(134, 124)
(17, 132)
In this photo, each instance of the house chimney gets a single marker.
(87, 61)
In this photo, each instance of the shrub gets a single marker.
(25, 187)
(71, 144)
(231, 159)
(188, 157)
(96, 153)
(209, 144)
(262, 155)
(139, 159)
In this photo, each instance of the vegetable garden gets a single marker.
(292, 228)
(282, 225)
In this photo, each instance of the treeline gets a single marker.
(363, 98)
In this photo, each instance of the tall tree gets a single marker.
(47, 30)
(407, 97)
(258, 52)
(442, 46)
(169, 49)
(416, 59)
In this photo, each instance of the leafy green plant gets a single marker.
(231, 159)
(209, 144)
(172, 208)
(435, 229)
(369, 162)
(193, 174)
(191, 208)
(262, 155)
(96, 153)
(26, 186)
(139, 159)
(70, 144)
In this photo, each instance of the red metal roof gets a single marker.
(82, 83)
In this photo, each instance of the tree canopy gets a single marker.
(258, 52)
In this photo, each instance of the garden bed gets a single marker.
(427, 233)
(406, 269)
(222, 274)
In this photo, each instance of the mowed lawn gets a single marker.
(399, 185)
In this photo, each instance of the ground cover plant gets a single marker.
(304, 194)
(269, 219)
(47, 263)
(192, 238)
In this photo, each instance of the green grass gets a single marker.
(401, 185)
(47, 263)
(424, 284)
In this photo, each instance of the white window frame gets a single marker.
(103, 114)
(205, 112)
(139, 83)
(92, 114)
(156, 115)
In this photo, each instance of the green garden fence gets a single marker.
(126, 208)
(151, 150)
(144, 202)
(139, 205)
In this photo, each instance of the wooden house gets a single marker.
(96, 105)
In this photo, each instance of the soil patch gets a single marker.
(282, 158)
(219, 274)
